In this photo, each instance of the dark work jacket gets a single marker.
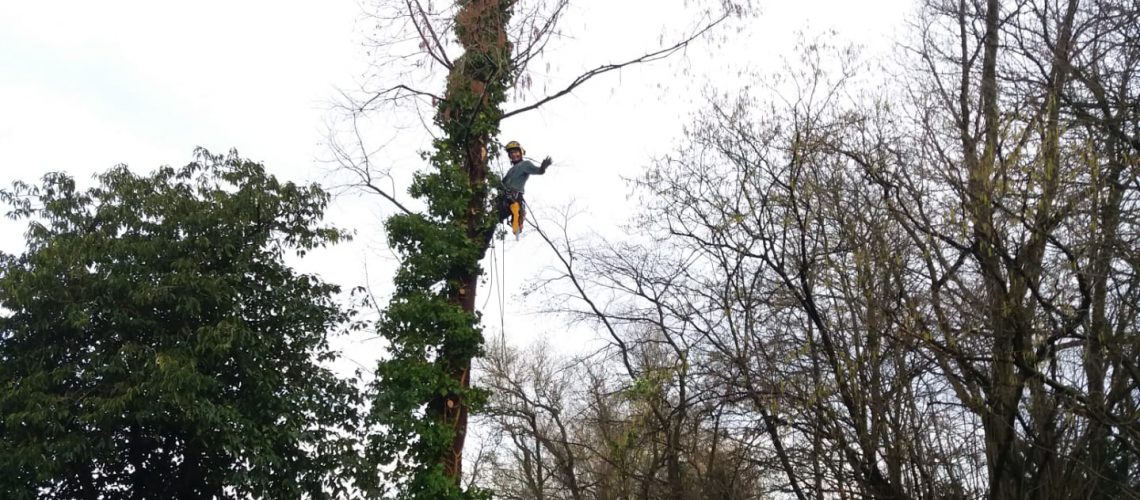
(515, 180)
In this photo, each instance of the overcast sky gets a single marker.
(88, 85)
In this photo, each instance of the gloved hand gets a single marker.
(546, 162)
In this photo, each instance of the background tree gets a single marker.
(154, 344)
(1004, 230)
(578, 428)
(919, 289)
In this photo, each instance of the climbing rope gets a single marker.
(502, 300)
(498, 279)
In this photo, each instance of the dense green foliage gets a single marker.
(423, 388)
(153, 343)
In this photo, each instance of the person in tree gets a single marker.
(510, 202)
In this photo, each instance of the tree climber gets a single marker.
(510, 201)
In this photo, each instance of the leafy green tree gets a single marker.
(153, 343)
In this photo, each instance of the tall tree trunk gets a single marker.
(431, 320)
(470, 116)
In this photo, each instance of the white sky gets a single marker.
(87, 85)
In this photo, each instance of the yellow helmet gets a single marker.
(514, 145)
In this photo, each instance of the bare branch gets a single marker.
(398, 95)
(650, 57)
(364, 170)
(430, 39)
(539, 36)
(567, 260)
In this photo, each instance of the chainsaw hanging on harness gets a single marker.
(512, 208)
(516, 218)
